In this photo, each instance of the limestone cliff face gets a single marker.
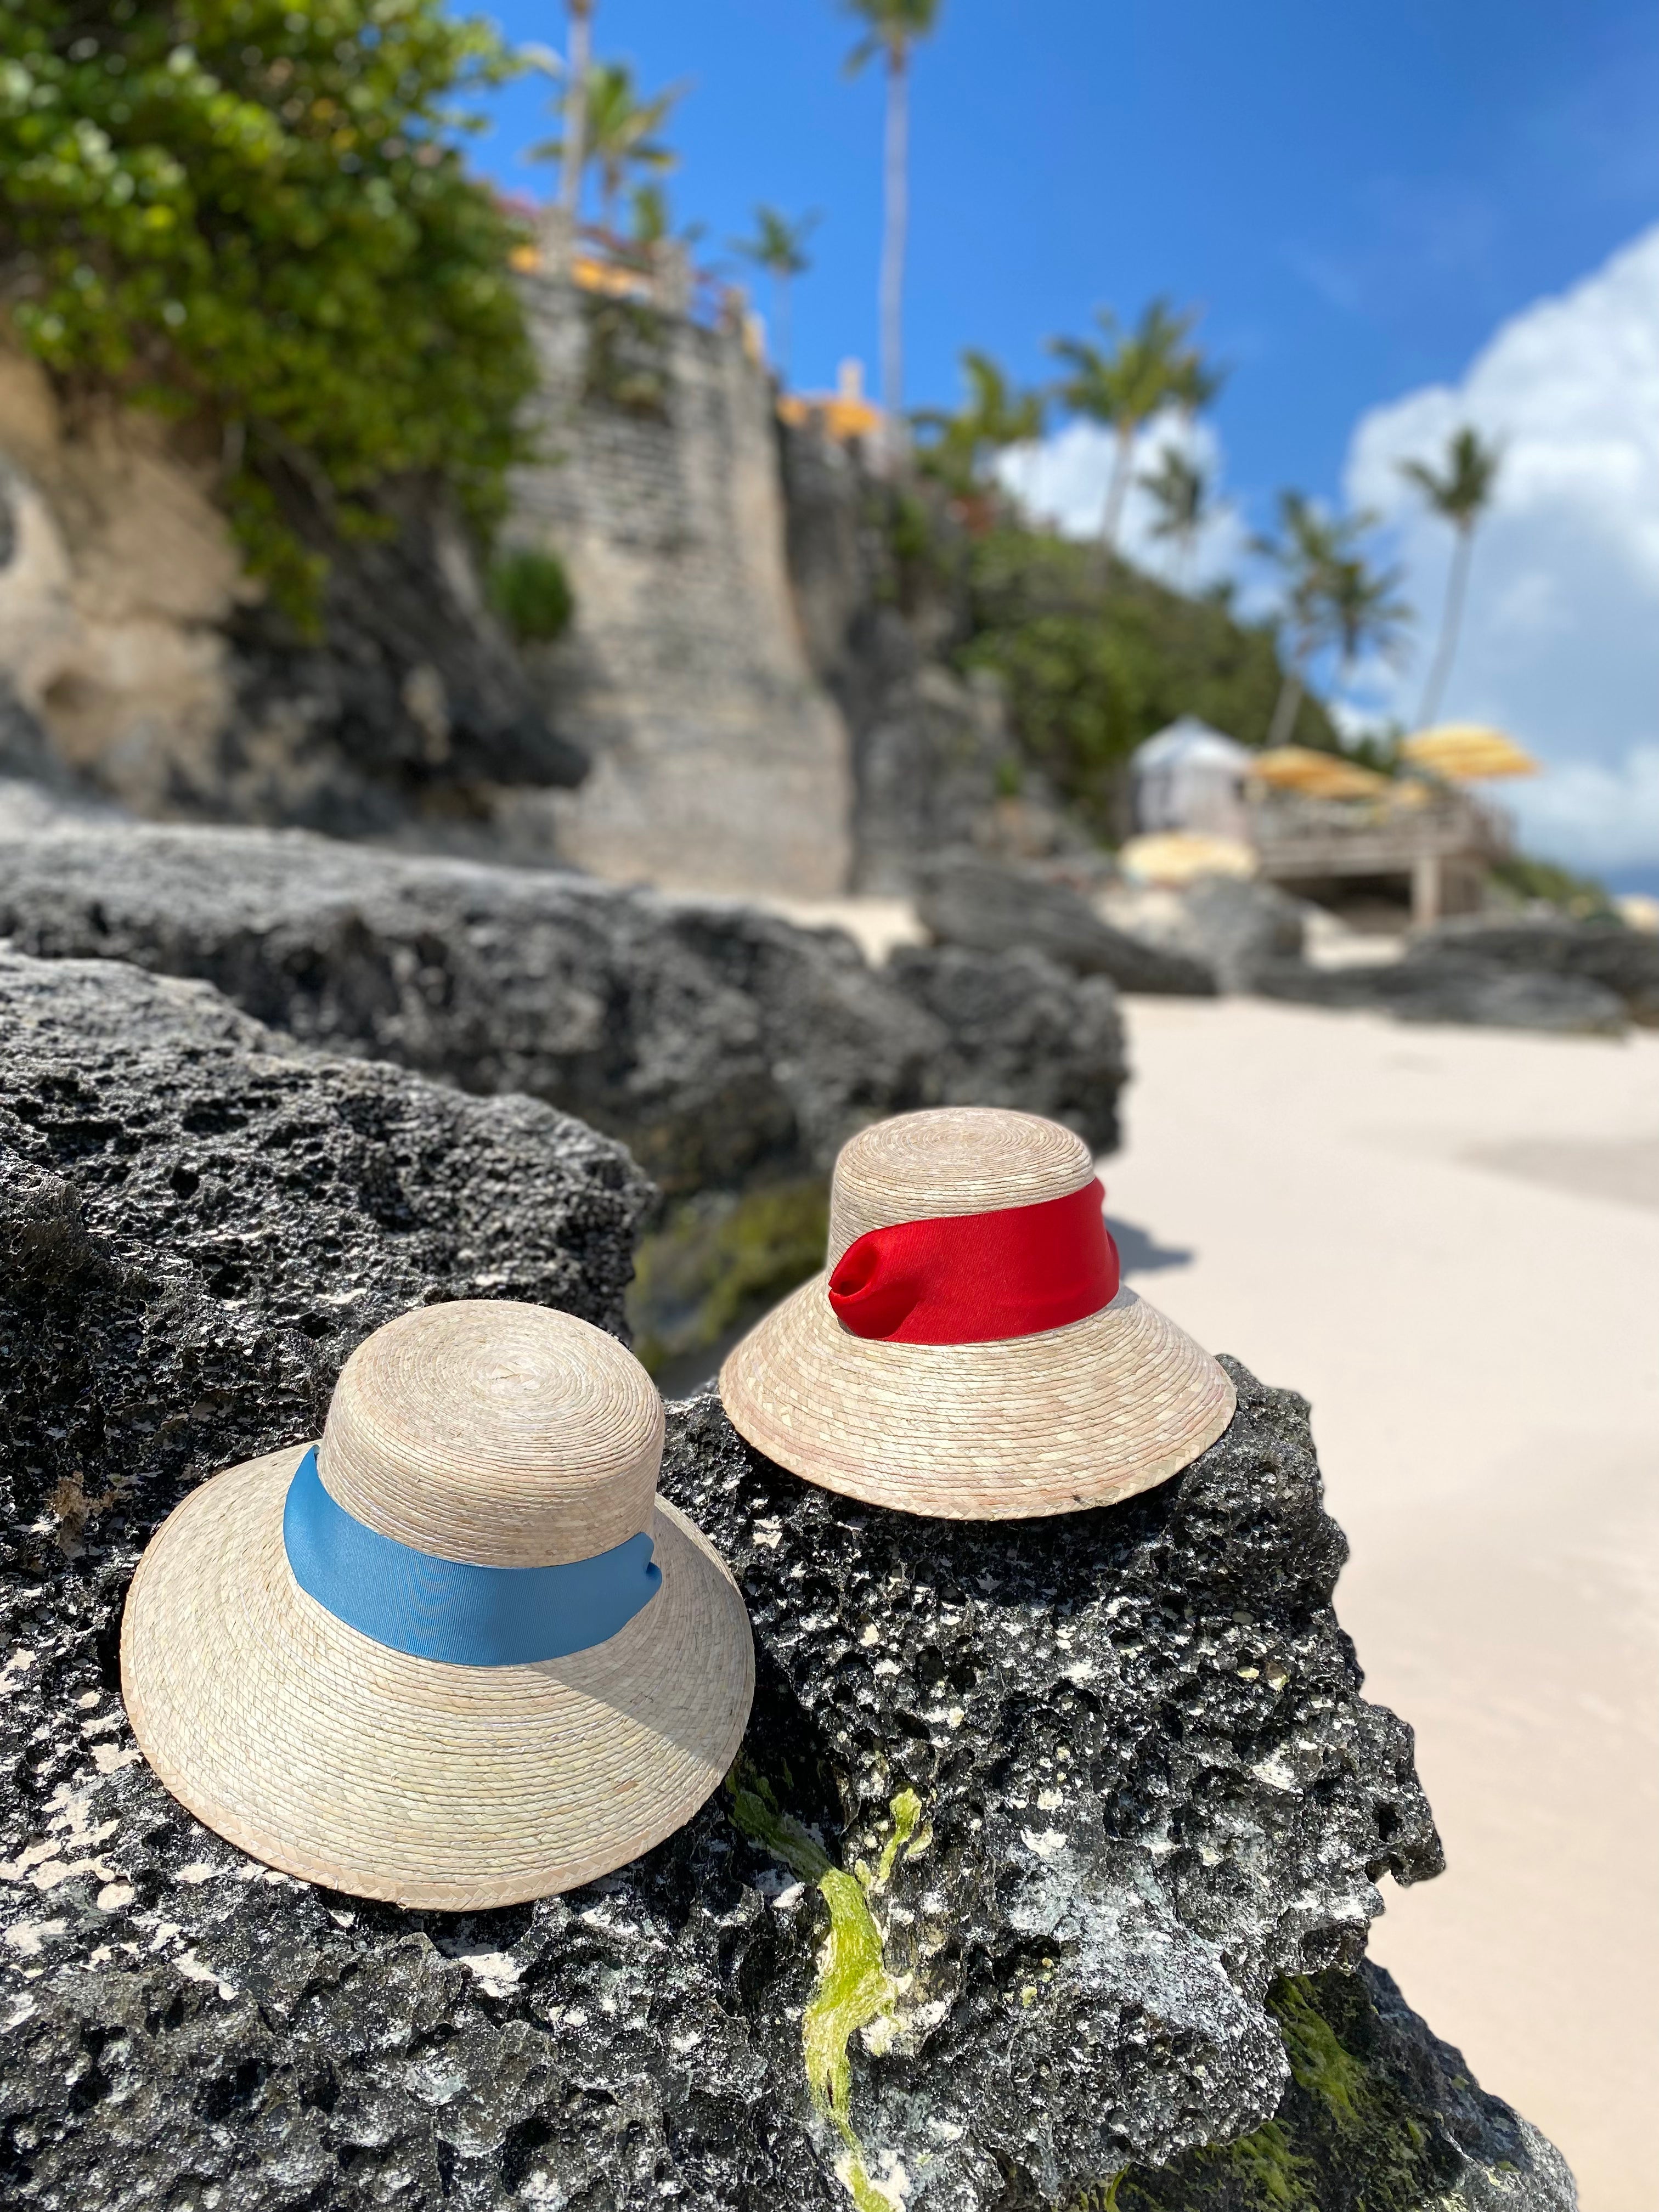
(760, 687)
(720, 762)
(161, 679)
(117, 575)
(928, 750)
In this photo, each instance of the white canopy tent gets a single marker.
(1190, 777)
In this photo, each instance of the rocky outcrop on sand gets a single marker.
(1569, 978)
(1024, 1030)
(982, 906)
(716, 1040)
(1049, 1853)
(1607, 954)
(1237, 926)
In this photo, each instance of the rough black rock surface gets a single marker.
(1237, 927)
(712, 1037)
(197, 1230)
(1443, 984)
(1605, 953)
(964, 899)
(1030, 1823)
(1023, 1029)
(411, 705)
(1380, 2116)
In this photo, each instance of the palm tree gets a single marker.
(1366, 611)
(779, 246)
(616, 133)
(993, 417)
(1333, 597)
(1459, 494)
(575, 107)
(1123, 385)
(1180, 487)
(894, 26)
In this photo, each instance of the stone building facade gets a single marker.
(719, 760)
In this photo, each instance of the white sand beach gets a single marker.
(1449, 1240)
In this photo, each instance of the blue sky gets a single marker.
(1360, 198)
(1357, 195)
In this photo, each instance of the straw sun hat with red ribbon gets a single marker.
(458, 1653)
(971, 1350)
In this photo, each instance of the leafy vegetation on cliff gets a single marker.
(1094, 659)
(247, 212)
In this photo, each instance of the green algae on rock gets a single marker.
(854, 1994)
(716, 1262)
(1380, 2116)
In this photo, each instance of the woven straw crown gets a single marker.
(963, 1159)
(290, 1715)
(509, 1435)
(1045, 1421)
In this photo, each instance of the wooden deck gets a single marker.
(1440, 847)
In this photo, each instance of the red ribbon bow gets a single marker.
(971, 1277)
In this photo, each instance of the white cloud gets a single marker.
(1560, 645)
(1063, 481)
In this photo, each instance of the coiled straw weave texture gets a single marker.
(1021, 1426)
(338, 1759)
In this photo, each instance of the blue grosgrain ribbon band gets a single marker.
(450, 1610)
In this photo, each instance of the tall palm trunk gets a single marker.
(575, 107)
(781, 317)
(1117, 490)
(1289, 704)
(895, 192)
(1451, 621)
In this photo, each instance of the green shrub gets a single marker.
(244, 211)
(1094, 661)
(1580, 896)
(531, 594)
(627, 364)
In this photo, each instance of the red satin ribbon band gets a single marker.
(971, 1277)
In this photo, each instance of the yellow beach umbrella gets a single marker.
(1174, 858)
(1316, 776)
(1466, 751)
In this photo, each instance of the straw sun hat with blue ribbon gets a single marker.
(971, 1350)
(458, 1653)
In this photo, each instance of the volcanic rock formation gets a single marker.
(1047, 1858)
(969, 902)
(1572, 978)
(713, 1037)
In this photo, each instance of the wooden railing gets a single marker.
(1362, 836)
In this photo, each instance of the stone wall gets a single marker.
(721, 763)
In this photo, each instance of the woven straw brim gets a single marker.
(323, 1754)
(1026, 1426)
